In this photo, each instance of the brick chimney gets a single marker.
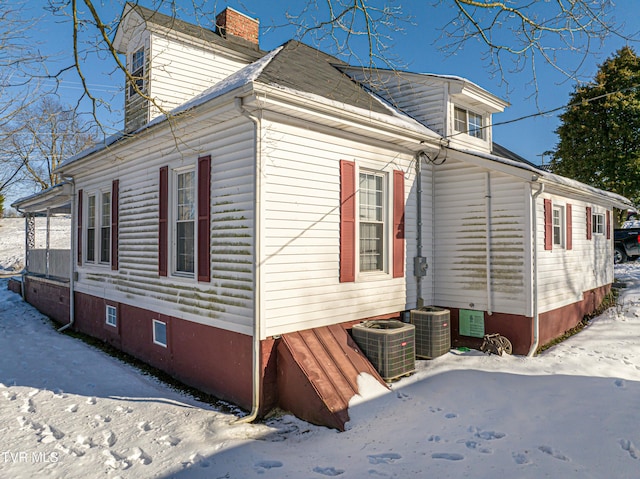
(233, 24)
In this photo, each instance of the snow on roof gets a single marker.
(236, 80)
(394, 118)
(553, 178)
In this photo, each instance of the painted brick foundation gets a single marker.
(49, 297)
(519, 329)
(213, 360)
(219, 362)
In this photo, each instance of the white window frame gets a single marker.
(475, 131)
(558, 226)
(137, 67)
(175, 219)
(100, 225)
(105, 228)
(92, 226)
(111, 316)
(157, 323)
(597, 223)
(383, 221)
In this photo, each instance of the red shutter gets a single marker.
(608, 225)
(163, 215)
(548, 225)
(589, 227)
(347, 221)
(398, 224)
(115, 218)
(569, 228)
(204, 218)
(79, 239)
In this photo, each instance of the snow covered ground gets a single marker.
(70, 411)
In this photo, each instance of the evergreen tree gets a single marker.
(599, 138)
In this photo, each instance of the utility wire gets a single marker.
(546, 112)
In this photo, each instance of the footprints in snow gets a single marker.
(630, 448)
(102, 441)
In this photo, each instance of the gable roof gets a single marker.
(300, 67)
(155, 20)
(504, 152)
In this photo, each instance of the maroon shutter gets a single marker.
(163, 215)
(608, 225)
(548, 225)
(204, 218)
(398, 224)
(79, 239)
(347, 221)
(569, 228)
(589, 227)
(115, 218)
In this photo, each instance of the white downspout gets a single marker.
(257, 308)
(47, 252)
(536, 317)
(487, 204)
(72, 256)
(419, 297)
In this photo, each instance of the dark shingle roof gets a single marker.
(303, 68)
(197, 31)
(499, 150)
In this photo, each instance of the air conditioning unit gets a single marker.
(389, 346)
(433, 331)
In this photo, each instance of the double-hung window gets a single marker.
(558, 226)
(137, 71)
(466, 121)
(597, 223)
(98, 235)
(185, 222)
(91, 229)
(105, 228)
(372, 221)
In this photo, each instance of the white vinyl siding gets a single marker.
(422, 98)
(301, 191)
(564, 275)
(226, 302)
(459, 262)
(181, 70)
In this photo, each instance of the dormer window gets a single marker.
(137, 71)
(466, 121)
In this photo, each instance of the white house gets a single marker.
(287, 196)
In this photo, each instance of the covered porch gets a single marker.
(46, 280)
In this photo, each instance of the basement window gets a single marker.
(159, 333)
(112, 316)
